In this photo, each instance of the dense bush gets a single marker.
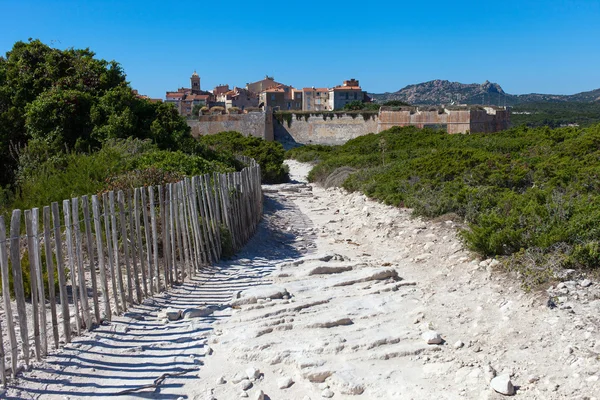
(521, 191)
(269, 155)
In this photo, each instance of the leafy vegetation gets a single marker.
(269, 155)
(58, 108)
(358, 105)
(527, 194)
(555, 114)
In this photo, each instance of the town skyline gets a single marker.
(525, 46)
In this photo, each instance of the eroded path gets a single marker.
(344, 289)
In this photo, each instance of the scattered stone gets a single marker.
(375, 274)
(432, 337)
(285, 382)
(318, 375)
(585, 283)
(170, 314)
(246, 384)
(533, 378)
(327, 393)
(189, 313)
(252, 295)
(252, 373)
(260, 395)
(458, 345)
(237, 378)
(503, 385)
(331, 323)
(244, 394)
(221, 380)
(326, 269)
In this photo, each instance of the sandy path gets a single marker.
(365, 282)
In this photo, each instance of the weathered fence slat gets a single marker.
(62, 278)
(33, 283)
(165, 235)
(83, 296)
(115, 244)
(8, 314)
(15, 258)
(40, 280)
(2, 363)
(109, 251)
(125, 240)
(154, 236)
(90, 251)
(50, 271)
(150, 274)
(72, 265)
(101, 265)
(138, 234)
(133, 247)
(184, 229)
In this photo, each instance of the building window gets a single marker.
(346, 96)
(272, 97)
(355, 95)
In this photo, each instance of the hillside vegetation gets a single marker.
(532, 195)
(71, 125)
(555, 114)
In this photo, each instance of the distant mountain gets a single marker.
(446, 92)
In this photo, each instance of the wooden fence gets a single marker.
(110, 252)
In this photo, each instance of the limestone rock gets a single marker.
(503, 385)
(585, 283)
(189, 313)
(260, 395)
(285, 382)
(170, 314)
(432, 337)
(252, 373)
(237, 378)
(318, 375)
(458, 345)
(327, 393)
(327, 269)
(375, 274)
(252, 295)
(246, 384)
(221, 380)
(330, 323)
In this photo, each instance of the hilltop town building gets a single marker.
(184, 99)
(237, 97)
(350, 91)
(315, 99)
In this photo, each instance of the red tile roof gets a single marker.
(175, 95)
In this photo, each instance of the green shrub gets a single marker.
(25, 265)
(517, 190)
(226, 242)
(269, 155)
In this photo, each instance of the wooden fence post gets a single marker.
(69, 240)
(83, 296)
(123, 222)
(33, 282)
(101, 265)
(62, 279)
(90, 251)
(8, 314)
(15, 258)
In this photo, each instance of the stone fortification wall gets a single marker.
(487, 120)
(316, 130)
(259, 124)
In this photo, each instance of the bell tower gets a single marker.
(195, 79)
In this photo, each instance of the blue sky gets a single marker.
(548, 46)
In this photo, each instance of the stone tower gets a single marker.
(195, 79)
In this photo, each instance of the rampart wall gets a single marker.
(259, 124)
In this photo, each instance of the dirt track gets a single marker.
(364, 282)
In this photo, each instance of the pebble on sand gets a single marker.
(503, 385)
